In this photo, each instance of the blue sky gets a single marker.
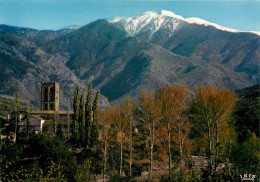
(56, 14)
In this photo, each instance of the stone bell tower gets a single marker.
(49, 96)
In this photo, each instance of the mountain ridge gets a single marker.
(120, 64)
(157, 19)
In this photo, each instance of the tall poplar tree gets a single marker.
(149, 113)
(81, 121)
(119, 126)
(55, 119)
(17, 114)
(88, 113)
(127, 108)
(173, 101)
(210, 109)
(68, 118)
(94, 129)
(74, 129)
(106, 120)
(28, 119)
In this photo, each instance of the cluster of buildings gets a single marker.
(42, 120)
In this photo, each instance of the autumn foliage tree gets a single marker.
(127, 109)
(173, 100)
(149, 113)
(119, 126)
(210, 109)
(106, 122)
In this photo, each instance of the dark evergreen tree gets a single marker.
(68, 118)
(95, 108)
(17, 113)
(28, 119)
(88, 113)
(74, 129)
(94, 129)
(55, 119)
(81, 121)
(246, 118)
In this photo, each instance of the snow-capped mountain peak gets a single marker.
(137, 23)
(151, 22)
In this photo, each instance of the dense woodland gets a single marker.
(140, 140)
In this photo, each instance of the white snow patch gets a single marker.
(254, 32)
(206, 23)
(135, 24)
(171, 14)
(116, 19)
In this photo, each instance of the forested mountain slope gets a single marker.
(123, 56)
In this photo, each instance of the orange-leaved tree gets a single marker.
(127, 109)
(173, 100)
(149, 114)
(210, 109)
(105, 134)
